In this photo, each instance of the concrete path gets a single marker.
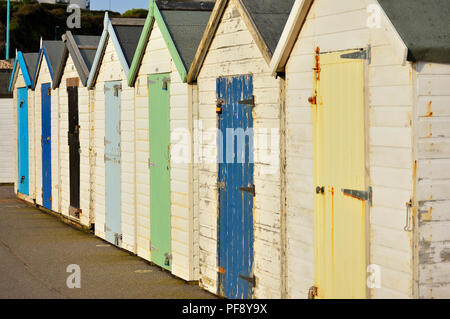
(36, 249)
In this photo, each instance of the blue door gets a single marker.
(22, 132)
(236, 188)
(46, 95)
(113, 227)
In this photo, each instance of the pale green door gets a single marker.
(159, 137)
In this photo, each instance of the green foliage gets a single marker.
(30, 21)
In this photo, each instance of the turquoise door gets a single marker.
(46, 95)
(113, 227)
(236, 188)
(159, 136)
(22, 139)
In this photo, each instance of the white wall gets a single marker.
(7, 132)
(433, 178)
(234, 52)
(342, 25)
(83, 118)
(157, 59)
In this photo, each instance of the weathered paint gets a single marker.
(160, 199)
(341, 26)
(46, 143)
(23, 148)
(112, 160)
(339, 157)
(233, 51)
(236, 169)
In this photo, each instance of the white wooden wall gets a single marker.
(7, 141)
(83, 116)
(157, 59)
(234, 52)
(111, 70)
(433, 178)
(342, 25)
(20, 83)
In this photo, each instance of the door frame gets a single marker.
(366, 94)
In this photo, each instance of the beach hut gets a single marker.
(367, 140)
(75, 130)
(46, 125)
(7, 129)
(167, 223)
(237, 142)
(113, 122)
(20, 84)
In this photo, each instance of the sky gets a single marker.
(119, 5)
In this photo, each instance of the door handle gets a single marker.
(22, 179)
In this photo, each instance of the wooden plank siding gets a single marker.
(7, 132)
(233, 51)
(111, 70)
(335, 26)
(433, 178)
(70, 71)
(157, 59)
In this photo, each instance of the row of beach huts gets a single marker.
(264, 148)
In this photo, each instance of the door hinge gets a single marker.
(313, 292)
(251, 280)
(361, 195)
(165, 82)
(249, 102)
(221, 185)
(117, 88)
(251, 190)
(151, 164)
(359, 55)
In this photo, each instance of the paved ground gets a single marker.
(36, 248)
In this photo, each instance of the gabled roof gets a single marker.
(82, 50)
(125, 34)
(53, 52)
(265, 20)
(182, 25)
(420, 29)
(424, 27)
(27, 63)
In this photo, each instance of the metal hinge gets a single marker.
(361, 195)
(165, 81)
(251, 190)
(313, 292)
(362, 54)
(251, 280)
(249, 102)
(151, 164)
(221, 185)
(117, 88)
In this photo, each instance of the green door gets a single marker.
(159, 137)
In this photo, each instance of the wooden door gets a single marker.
(22, 141)
(160, 201)
(340, 177)
(236, 188)
(74, 147)
(46, 143)
(113, 163)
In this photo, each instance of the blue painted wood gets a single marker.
(112, 163)
(22, 131)
(46, 143)
(235, 221)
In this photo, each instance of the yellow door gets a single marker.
(339, 147)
